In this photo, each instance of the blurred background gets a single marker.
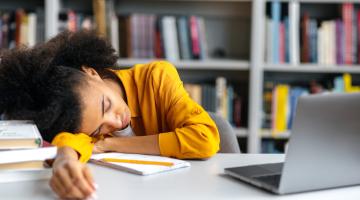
(247, 60)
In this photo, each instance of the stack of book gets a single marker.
(21, 154)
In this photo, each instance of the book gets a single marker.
(140, 169)
(170, 38)
(25, 164)
(17, 134)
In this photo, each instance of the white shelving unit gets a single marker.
(247, 40)
(196, 64)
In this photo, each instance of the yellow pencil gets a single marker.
(143, 162)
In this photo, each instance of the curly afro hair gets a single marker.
(42, 83)
(45, 94)
(82, 48)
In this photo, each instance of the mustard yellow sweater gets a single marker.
(160, 105)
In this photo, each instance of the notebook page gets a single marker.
(139, 168)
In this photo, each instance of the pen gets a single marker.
(143, 162)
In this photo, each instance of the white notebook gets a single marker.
(141, 169)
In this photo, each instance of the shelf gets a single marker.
(195, 64)
(201, 1)
(312, 68)
(319, 2)
(267, 134)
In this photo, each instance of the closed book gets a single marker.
(313, 41)
(280, 108)
(138, 163)
(358, 34)
(282, 42)
(25, 164)
(221, 97)
(202, 38)
(184, 38)
(347, 15)
(194, 35)
(32, 27)
(305, 39)
(16, 134)
(170, 38)
(339, 42)
(275, 15)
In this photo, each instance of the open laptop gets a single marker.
(323, 151)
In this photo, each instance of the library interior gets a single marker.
(262, 69)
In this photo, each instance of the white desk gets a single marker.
(203, 180)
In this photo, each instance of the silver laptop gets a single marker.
(323, 151)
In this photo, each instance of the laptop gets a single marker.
(323, 151)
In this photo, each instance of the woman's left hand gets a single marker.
(100, 146)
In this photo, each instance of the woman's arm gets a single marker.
(71, 179)
(140, 144)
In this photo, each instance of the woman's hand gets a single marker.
(101, 146)
(72, 179)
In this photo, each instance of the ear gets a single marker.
(91, 72)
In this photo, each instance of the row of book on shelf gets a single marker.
(328, 42)
(21, 27)
(279, 100)
(148, 35)
(220, 98)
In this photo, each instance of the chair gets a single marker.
(228, 140)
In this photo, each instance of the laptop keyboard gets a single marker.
(273, 180)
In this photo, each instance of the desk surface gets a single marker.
(203, 180)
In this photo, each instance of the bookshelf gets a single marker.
(237, 42)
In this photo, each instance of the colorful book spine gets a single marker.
(347, 9)
(275, 15)
(194, 33)
(339, 42)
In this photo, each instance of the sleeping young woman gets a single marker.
(81, 103)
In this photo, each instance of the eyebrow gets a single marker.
(94, 133)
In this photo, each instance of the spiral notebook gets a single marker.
(138, 163)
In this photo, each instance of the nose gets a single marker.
(113, 122)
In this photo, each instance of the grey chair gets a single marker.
(228, 140)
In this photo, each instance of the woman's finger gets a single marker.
(80, 181)
(57, 187)
(63, 176)
(88, 176)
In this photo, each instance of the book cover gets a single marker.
(202, 38)
(25, 164)
(347, 16)
(184, 39)
(275, 15)
(16, 134)
(140, 169)
(305, 39)
(171, 45)
(194, 35)
(339, 42)
(280, 108)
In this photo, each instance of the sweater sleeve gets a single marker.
(194, 134)
(80, 142)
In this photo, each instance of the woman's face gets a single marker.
(103, 107)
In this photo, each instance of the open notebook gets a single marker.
(141, 169)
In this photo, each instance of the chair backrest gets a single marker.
(228, 140)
